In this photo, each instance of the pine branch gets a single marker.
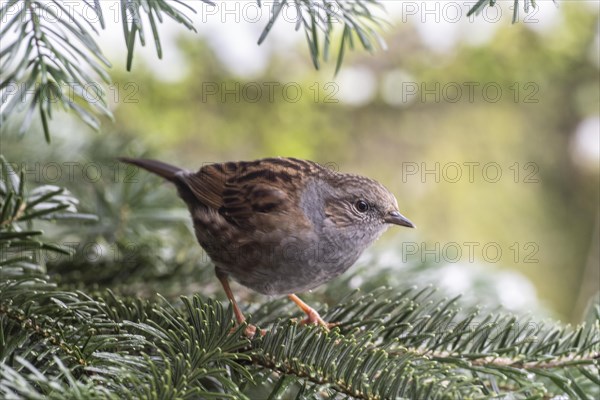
(560, 362)
(50, 55)
(18, 207)
(134, 28)
(481, 4)
(368, 319)
(358, 363)
(40, 333)
(55, 58)
(347, 364)
(25, 381)
(319, 20)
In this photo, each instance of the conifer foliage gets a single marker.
(50, 58)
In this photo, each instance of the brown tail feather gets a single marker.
(157, 167)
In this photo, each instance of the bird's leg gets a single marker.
(239, 317)
(312, 316)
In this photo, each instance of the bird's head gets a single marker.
(362, 206)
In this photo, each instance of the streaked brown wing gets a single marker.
(241, 201)
(240, 190)
(207, 185)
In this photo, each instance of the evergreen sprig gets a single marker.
(49, 56)
(527, 6)
(134, 27)
(397, 344)
(54, 56)
(319, 20)
(18, 207)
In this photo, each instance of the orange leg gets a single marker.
(239, 317)
(312, 316)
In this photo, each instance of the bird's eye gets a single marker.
(362, 206)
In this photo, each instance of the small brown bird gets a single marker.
(281, 225)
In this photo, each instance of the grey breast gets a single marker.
(308, 262)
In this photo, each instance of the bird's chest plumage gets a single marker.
(280, 258)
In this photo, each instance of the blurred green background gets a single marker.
(491, 145)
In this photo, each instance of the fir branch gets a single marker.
(41, 333)
(54, 57)
(348, 365)
(492, 346)
(134, 28)
(495, 361)
(28, 382)
(481, 4)
(49, 56)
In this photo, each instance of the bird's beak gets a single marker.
(396, 218)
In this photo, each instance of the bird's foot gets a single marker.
(313, 318)
(250, 331)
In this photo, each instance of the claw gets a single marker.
(312, 316)
(250, 331)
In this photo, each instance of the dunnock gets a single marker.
(281, 225)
